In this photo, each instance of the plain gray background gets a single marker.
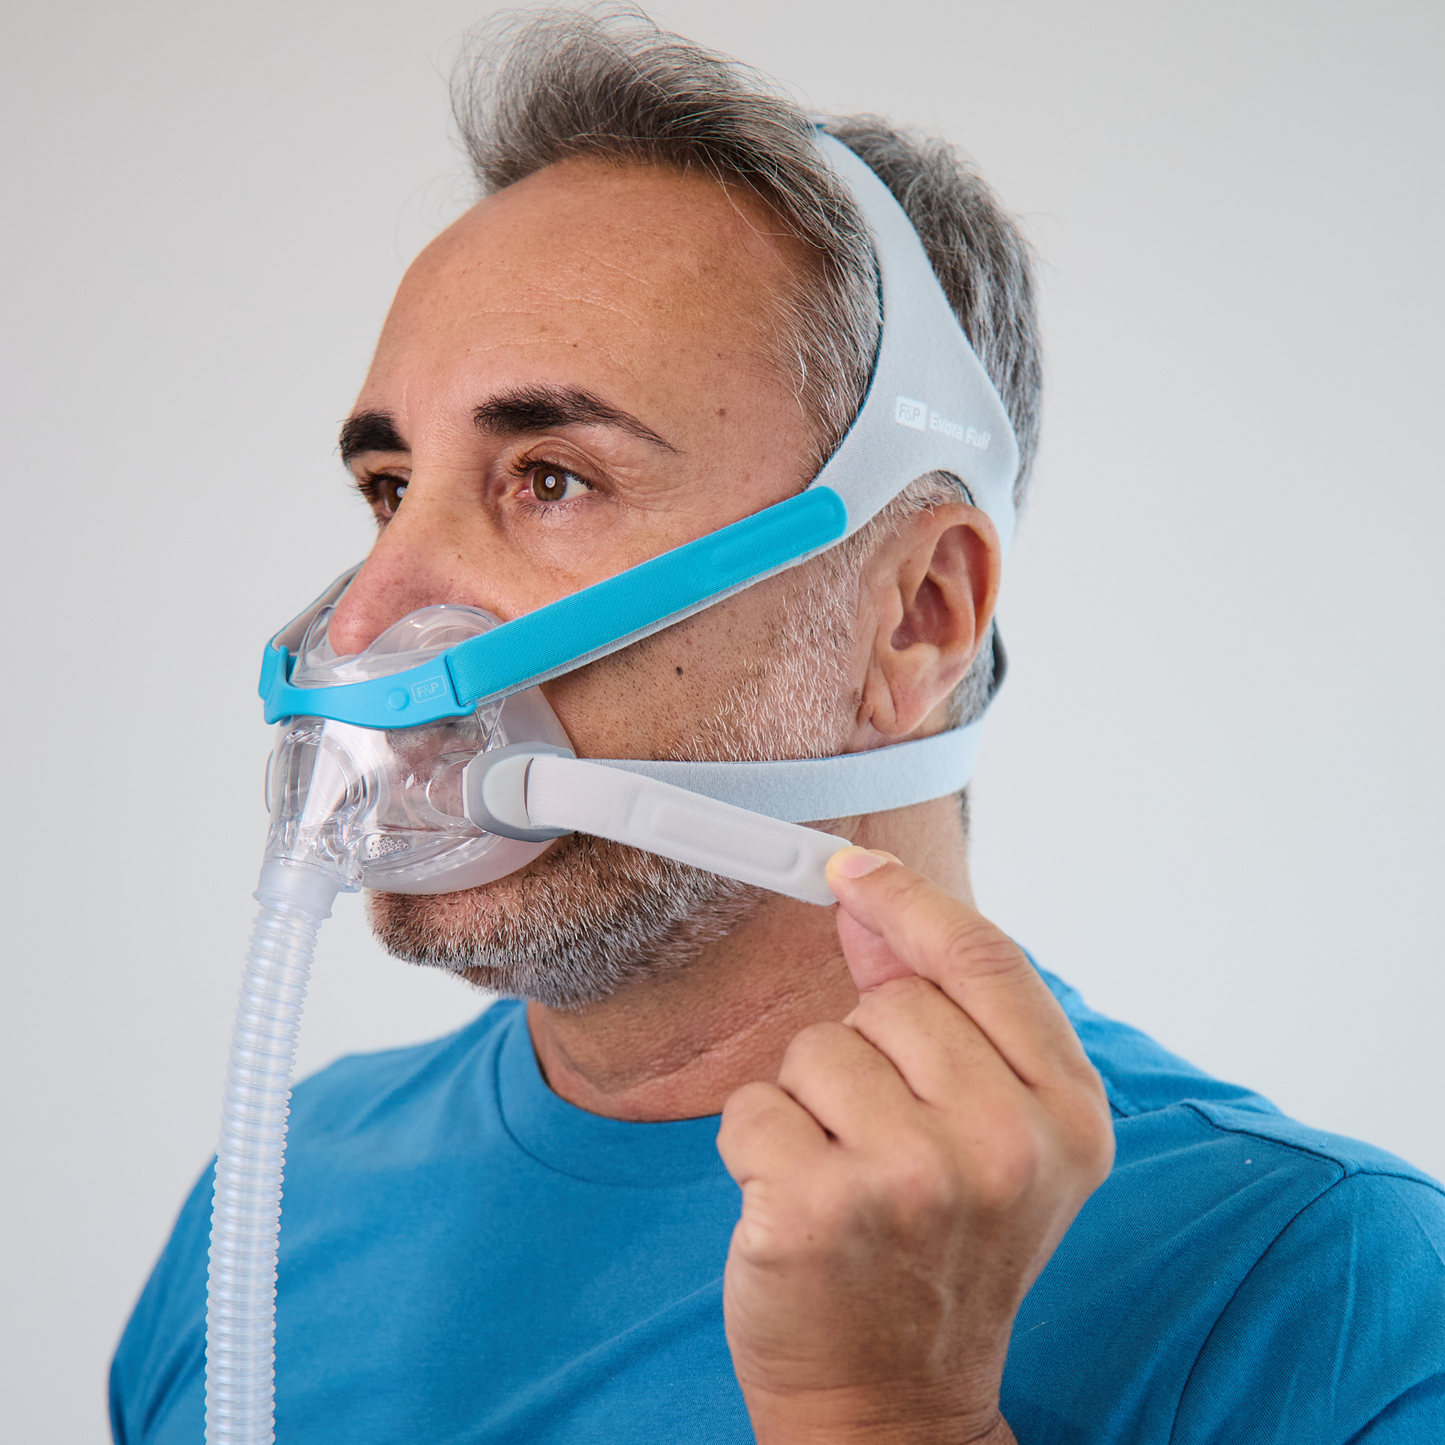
(1211, 792)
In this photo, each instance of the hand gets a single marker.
(907, 1178)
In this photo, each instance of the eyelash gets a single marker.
(372, 486)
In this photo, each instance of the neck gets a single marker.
(675, 1046)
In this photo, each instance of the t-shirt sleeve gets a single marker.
(1337, 1335)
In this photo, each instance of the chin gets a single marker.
(583, 920)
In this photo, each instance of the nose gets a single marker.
(408, 567)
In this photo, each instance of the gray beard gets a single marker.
(584, 920)
(590, 917)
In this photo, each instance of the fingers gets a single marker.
(975, 964)
(908, 1177)
(850, 1088)
(765, 1139)
(765, 1133)
(938, 1051)
(849, 1092)
(870, 960)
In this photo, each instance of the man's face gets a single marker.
(581, 373)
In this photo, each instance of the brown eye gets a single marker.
(556, 484)
(393, 489)
(384, 492)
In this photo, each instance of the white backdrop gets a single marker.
(1211, 793)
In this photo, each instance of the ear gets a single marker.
(929, 594)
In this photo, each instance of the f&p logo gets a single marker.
(910, 413)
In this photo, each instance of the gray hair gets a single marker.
(538, 87)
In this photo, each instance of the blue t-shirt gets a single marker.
(467, 1258)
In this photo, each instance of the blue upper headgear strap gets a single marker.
(930, 407)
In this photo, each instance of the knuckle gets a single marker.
(825, 1216)
(1086, 1130)
(748, 1111)
(747, 1100)
(911, 889)
(792, 1224)
(1006, 1171)
(811, 1047)
(971, 942)
(920, 1183)
(765, 1228)
(820, 1035)
(884, 999)
(1093, 1140)
(758, 1239)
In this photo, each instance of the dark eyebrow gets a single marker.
(370, 431)
(539, 408)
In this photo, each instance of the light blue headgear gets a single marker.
(431, 762)
(930, 407)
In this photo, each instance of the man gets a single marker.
(905, 1226)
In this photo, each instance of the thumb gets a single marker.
(870, 960)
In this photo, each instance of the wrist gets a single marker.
(846, 1418)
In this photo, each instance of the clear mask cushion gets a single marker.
(384, 807)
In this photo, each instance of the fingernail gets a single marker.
(855, 862)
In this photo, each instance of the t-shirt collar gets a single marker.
(589, 1146)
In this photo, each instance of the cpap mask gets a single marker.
(462, 800)
(430, 762)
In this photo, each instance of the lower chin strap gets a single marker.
(735, 819)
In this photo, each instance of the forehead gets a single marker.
(626, 270)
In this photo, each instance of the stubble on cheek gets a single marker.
(590, 915)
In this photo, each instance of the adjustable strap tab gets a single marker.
(642, 812)
(521, 793)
